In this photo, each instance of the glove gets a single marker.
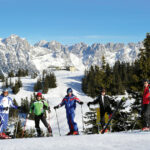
(5, 108)
(89, 103)
(56, 107)
(45, 107)
(81, 103)
(19, 108)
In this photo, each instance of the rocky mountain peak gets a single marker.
(16, 52)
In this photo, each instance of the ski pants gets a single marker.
(102, 120)
(72, 124)
(102, 115)
(37, 123)
(146, 115)
(3, 122)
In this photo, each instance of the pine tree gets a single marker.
(103, 63)
(38, 85)
(18, 130)
(90, 122)
(52, 80)
(2, 77)
(26, 72)
(121, 120)
(45, 87)
(10, 83)
(19, 82)
(108, 77)
(6, 83)
(13, 112)
(136, 110)
(15, 88)
(25, 105)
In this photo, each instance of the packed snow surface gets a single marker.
(113, 141)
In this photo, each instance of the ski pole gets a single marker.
(57, 122)
(82, 117)
(49, 122)
(24, 126)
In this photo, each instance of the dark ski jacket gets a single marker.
(104, 107)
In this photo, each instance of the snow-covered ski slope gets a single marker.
(113, 141)
(65, 79)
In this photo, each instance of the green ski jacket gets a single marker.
(38, 107)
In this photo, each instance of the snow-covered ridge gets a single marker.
(16, 52)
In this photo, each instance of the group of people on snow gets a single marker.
(39, 107)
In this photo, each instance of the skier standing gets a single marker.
(70, 104)
(104, 104)
(38, 108)
(146, 106)
(5, 103)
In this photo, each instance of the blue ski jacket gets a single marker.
(70, 103)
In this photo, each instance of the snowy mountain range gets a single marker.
(16, 52)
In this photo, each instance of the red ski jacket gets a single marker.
(146, 95)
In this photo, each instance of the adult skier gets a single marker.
(38, 108)
(104, 104)
(5, 103)
(146, 106)
(70, 104)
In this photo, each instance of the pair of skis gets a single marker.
(106, 126)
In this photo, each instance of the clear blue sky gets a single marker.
(72, 21)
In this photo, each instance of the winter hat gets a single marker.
(69, 90)
(39, 94)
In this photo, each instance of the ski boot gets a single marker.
(145, 129)
(38, 132)
(75, 133)
(70, 133)
(4, 136)
(50, 131)
(105, 131)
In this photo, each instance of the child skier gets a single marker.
(38, 108)
(5, 103)
(70, 104)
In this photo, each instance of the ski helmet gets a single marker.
(5, 90)
(39, 94)
(69, 90)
